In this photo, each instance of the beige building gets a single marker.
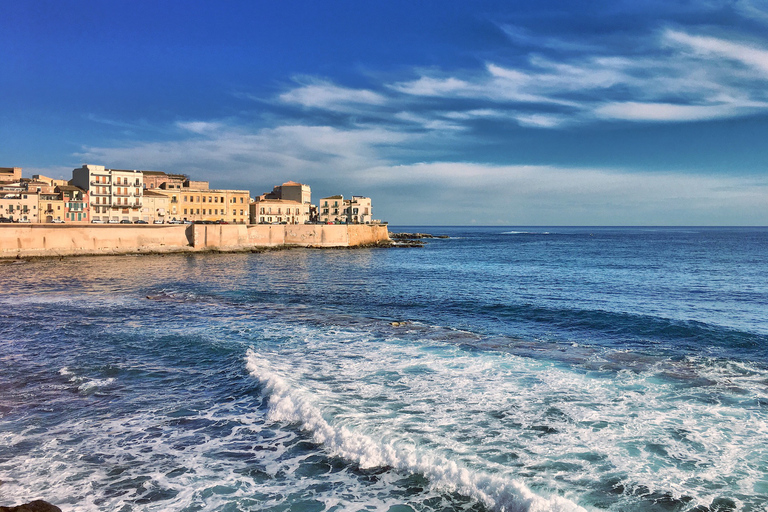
(19, 205)
(10, 174)
(336, 209)
(279, 211)
(51, 181)
(155, 207)
(158, 179)
(195, 201)
(114, 194)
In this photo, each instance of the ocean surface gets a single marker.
(535, 369)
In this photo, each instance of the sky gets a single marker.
(443, 112)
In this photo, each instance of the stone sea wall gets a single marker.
(25, 240)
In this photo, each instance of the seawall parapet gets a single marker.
(27, 240)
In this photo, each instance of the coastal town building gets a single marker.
(155, 207)
(279, 211)
(51, 207)
(19, 205)
(195, 201)
(336, 209)
(290, 191)
(8, 174)
(289, 203)
(76, 209)
(114, 194)
(50, 181)
(159, 179)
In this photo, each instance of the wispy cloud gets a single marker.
(322, 94)
(687, 77)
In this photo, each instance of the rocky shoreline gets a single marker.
(411, 239)
(32, 506)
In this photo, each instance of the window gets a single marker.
(203, 198)
(185, 211)
(241, 199)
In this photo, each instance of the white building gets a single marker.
(114, 194)
(336, 209)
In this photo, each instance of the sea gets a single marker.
(499, 369)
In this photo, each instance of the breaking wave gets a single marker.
(287, 404)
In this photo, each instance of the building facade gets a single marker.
(19, 205)
(279, 211)
(155, 208)
(195, 201)
(336, 209)
(76, 208)
(9, 174)
(114, 194)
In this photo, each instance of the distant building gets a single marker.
(10, 174)
(114, 194)
(158, 179)
(76, 207)
(19, 205)
(50, 181)
(279, 211)
(290, 191)
(51, 207)
(336, 209)
(196, 201)
(155, 207)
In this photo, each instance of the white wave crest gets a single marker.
(287, 404)
(86, 385)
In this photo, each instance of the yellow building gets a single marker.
(196, 201)
(51, 207)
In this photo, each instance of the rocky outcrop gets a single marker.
(414, 236)
(32, 506)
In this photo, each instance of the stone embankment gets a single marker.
(46, 240)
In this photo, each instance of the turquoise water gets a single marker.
(537, 369)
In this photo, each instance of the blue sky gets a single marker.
(444, 112)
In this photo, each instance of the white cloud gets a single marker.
(636, 111)
(749, 55)
(329, 96)
(707, 78)
(297, 150)
(199, 127)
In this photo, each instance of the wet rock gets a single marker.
(32, 506)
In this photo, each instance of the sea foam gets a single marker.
(289, 404)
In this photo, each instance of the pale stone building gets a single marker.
(336, 209)
(19, 205)
(279, 211)
(10, 174)
(114, 194)
(330, 209)
(155, 207)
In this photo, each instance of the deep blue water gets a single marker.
(620, 369)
